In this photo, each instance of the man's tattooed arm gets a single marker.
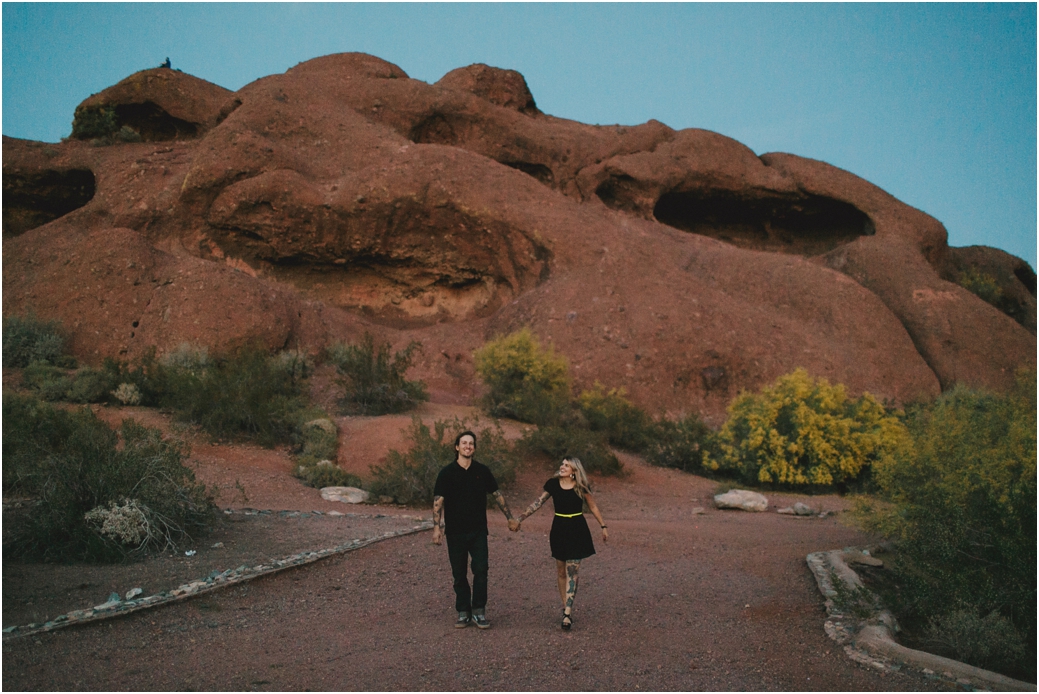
(502, 504)
(534, 506)
(438, 518)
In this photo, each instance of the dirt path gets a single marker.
(675, 601)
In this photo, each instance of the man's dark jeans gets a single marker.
(459, 549)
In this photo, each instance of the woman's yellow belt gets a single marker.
(569, 515)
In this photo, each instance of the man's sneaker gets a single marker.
(463, 620)
(481, 621)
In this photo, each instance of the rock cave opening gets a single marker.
(1026, 277)
(619, 192)
(34, 199)
(807, 225)
(434, 129)
(153, 123)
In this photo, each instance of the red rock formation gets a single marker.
(342, 196)
(159, 104)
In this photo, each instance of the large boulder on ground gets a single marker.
(741, 500)
(348, 495)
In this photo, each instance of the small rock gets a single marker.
(386, 500)
(218, 545)
(742, 500)
(348, 495)
(133, 593)
(190, 553)
(786, 510)
(324, 463)
(698, 511)
(803, 509)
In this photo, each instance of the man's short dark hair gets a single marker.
(458, 439)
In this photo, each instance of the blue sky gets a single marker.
(935, 103)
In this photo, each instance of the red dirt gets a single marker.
(675, 601)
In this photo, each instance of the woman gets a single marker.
(570, 540)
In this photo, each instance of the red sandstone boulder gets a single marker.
(343, 196)
(158, 104)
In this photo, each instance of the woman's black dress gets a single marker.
(569, 537)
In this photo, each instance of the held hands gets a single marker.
(605, 535)
(437, 535)
(514, 524)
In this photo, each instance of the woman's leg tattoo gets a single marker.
(571, 584)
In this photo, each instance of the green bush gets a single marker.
(52, 383)
(960, 503)
(249, 395)
(626, 425)
(374, 382)
(803, 431)
(318, 442)
(94, 123)
(91, 385)
(326, 475)
(28, 340)
(84, 385)
(409, 477)
(558, 442)
(681, 444)
(525, 382)
(990, 642)
(98, 500)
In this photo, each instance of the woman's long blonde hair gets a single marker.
(580, 476)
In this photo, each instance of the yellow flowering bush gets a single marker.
(804, 431)
(526, 381)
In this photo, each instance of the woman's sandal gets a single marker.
(568, 621)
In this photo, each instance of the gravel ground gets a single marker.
(676, 601)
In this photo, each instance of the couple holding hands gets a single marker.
(459, 512)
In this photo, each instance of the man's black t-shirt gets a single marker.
(465, 496)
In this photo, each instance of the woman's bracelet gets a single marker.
(603, 527)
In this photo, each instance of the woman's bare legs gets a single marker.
(561, 579)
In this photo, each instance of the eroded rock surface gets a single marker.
(343, 196)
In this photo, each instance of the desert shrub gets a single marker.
(960, 504)
(28, 340)
(409, 477)
(127, 394)
(374, 381)
(147, 375)
(803, 431)
(682, 444)
(52, 383)
(986, 287)
(326, 474)
(98, 500)
(91, 385)
(558, 442)
(626, 425)
(990, 642)
(94, 123)
(246, 395)
(525, 381)
(318, 440)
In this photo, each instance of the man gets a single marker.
(460, 512)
